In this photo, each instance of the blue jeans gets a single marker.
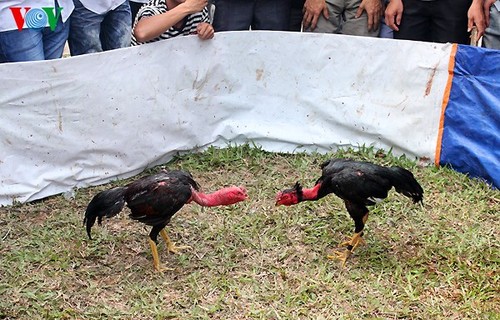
(92, 32)
(34, 44)
(233, 15)
(385, 31)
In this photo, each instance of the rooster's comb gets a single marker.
(298, 189)
(297, 186)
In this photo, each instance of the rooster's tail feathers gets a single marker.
(405, 183)
(104, 204)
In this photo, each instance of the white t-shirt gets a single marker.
(8, 21)
(101, 6)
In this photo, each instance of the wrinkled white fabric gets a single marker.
(86, 120)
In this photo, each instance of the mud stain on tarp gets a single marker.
(59, 121)
(198, 85)
(259, 73)
(428, 86)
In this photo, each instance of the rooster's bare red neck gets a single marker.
(311, 194)
(218, 198)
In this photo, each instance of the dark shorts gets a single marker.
(436, 21)
(233, 15)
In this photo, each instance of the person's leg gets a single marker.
(233, 15)
(333, 24)
(54, 41)
(271, 15)
(116, 30)
(449, 23)
(85, 30)
(356, 26)
(21, 45)
(491, 37)
(415, 21)
(296, 15)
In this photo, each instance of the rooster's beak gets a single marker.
(278, 198)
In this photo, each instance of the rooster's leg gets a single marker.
(170, 245)
(353, 243)
(357, 239)
(156, 259)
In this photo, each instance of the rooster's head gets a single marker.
(290, 196)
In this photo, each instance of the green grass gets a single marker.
(257, 261)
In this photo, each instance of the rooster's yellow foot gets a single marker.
(170, 245)
(176, 250)
(341, 255)
(355, 241)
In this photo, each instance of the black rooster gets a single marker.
(153, 200)
(359, 184)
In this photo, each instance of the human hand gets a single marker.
(393, 14)
(475, 17)
(194, 6)
(205, 31)
(312, 10)
(487, 6)
(374, 11)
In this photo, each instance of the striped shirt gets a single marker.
(156, 7)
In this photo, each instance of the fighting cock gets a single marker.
(153, 200)
(359, 184)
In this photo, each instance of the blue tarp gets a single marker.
(471, 135)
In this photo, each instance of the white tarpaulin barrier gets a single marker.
(90, 119)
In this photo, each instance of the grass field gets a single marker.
(253, 260)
